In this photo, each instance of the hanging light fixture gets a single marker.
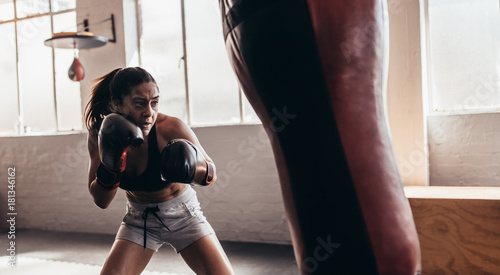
(82, 39)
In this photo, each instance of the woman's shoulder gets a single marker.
(169, 126)
(165, 122)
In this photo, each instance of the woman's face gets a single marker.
(142, 105)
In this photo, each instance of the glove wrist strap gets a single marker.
(107, 178)
(210, 173)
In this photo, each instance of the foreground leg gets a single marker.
(206, 256)
(126, 258)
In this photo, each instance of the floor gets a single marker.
(45, 252)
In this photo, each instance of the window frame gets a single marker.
(184, 58)
(15, 20)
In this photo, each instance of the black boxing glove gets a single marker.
(182, 162)
(116, 134)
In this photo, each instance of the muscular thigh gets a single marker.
(206, 256)
(126, 258)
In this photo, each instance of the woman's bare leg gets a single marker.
(126, 258)
(206, 257)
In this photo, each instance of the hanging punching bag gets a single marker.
(315, 72)
(76, 71)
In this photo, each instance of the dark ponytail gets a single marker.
(99, 105)
(115, 85)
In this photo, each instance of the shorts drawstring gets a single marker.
(145, 218)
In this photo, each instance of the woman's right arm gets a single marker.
(102, 196)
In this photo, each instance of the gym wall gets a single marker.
(245, 204)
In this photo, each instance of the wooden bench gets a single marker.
(458, 228)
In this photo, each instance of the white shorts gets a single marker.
(178, 222)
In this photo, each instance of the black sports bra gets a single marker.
(150, 180)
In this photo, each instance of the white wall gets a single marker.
(245, 204)
(464, 149)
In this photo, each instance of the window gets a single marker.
(196, 81)
(463, 55)
(37, 95)
(463, 71)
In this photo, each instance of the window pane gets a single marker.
(464, 54)
(65, 22)
(31, 7)
(35, 75)
(6, 10)
(69, 103)
(213, 90)
(8, 92)
(61, 5)
(161, 53)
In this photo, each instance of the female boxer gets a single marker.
(155, 158)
